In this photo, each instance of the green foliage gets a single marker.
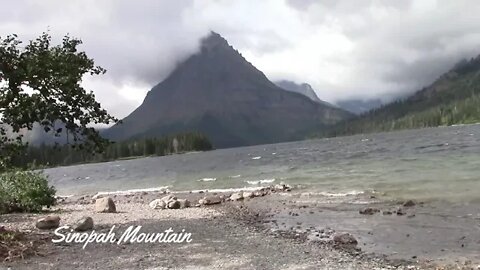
(453, 99)
(45, 155)
(24, 191)
(41, 83)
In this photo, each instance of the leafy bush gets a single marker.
(23, 191)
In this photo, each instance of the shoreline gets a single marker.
(278, 216)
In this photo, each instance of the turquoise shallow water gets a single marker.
(429, 164)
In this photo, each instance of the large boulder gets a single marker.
(48, 223)
(282, 187)
(158, 204)
(409, 203)
(105, 205)
(184, 203)
(209, 200)
(236, 196)
(344, 239)
(248, 194)
(168, 198)
(173, 204)
(83, 224)
(260, 193)
(400, 212)
(369, 211)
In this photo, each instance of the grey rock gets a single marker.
(173, 204)
(83, 224)
(236, 196)
(409, 203)
(105, 205)
(158, 204)
(168, 198)
(282, 187)
(260, 193)
(248, 194)
(184, 203)
(344, 239)
(369, 211)
(209, 200)
(400, 212)
(47, 223)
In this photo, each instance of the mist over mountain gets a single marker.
(219, 93)
(454, 98)
(356, 106)
(303, 88)
(359, 106)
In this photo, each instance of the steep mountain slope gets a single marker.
(304, 89)
(217, 92)
(454, 98)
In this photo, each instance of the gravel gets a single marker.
(223, 237)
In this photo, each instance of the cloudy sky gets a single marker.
(343, 48)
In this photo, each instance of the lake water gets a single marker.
(428, 164)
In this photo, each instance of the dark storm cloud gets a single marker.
(343, 48)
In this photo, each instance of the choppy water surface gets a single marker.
(429, 164)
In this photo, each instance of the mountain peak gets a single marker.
(213, 40)
(219, 93)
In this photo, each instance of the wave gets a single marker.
(63, 196)
(256, 158)
(219, 190)
(339, 194)
(264, 181)
(207, 180)
(235, 176)
(130, 191)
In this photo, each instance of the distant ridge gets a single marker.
(359, 106)
(304, 89)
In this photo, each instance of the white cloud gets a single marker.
(344, 49)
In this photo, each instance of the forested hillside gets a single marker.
(49, 155)
(453, 99)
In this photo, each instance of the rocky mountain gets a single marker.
(454, 98)
(359, 106)
(220, 94)
(303, 88)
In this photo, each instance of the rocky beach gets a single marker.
(268, 228)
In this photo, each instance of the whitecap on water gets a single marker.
(255, 158)
(257, 182)
(130, 191)
(218, 190)
(235, 176)
(207, 179)
(333, 194)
